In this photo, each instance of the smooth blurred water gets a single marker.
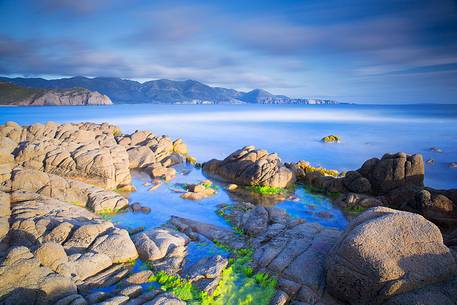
(293, 131)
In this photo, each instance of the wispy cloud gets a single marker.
(307, 48)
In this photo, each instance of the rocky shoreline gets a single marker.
(57, 181)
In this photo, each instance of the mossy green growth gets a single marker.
(78, 203)
(176, 285)
(238, 285)
(107, 214)
(331, 139)
(117, 132)
(355, 209)
(307, 168)
(267, 190)
(209, 185)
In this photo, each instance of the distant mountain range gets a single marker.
(12, 94)
(123, 91)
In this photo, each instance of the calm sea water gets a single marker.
(293, 131)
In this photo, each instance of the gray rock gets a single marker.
(250, 166)
(65, 189)
(143, 298)
(117, 300)
(385, 252)
(354, 182)
(140, 277)
(157, 243)
(206, 268)
(110, 243)
(393, 171)
(85, 151)
(74, 299)
(25, 281)
(131, 291)
(280, 298)
(165, 299)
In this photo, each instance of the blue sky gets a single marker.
(357, 51)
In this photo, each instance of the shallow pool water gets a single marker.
(165, 202)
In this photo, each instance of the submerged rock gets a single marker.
(199, 191)
(251, 166)
(430, 161)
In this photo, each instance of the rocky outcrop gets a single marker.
(393, 171)
(11, 94)
(85, 151)
(64, 189)
(395, 180)
(53, 249)
(376, 176)
(156, 154)
(250, 166)
(97, 154)
(385, 252)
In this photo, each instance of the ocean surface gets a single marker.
(293, 131)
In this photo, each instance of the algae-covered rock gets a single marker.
(331, 139)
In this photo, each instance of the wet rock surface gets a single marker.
(251, 166)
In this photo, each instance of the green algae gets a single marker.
(331, 139)
(355, 209)
(267, 190)
(117, 132)
(178, 286)
(238, 284)
(307, 168)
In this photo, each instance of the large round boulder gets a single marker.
(385, 252)
(251, 166)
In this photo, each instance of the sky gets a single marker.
(362, 51)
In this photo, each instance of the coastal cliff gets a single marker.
(11, 94)
(163, 91)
